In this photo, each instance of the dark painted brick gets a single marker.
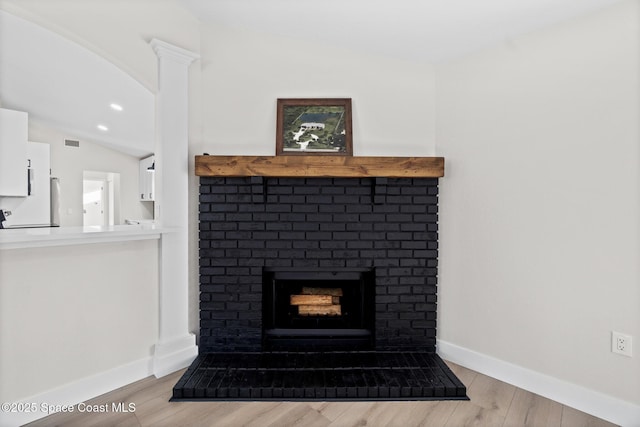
(206, 216)
(344, 235)
(278, 226)
(387, 208)
(360, 244)
(324, 217)
(386, 244)
(251, 244)
(358, 263)
(333, 208)
(333, 244)
(355, 206)
(333, 262)
(266, 217)
(238, 198)
(306, 226)
(307, 190)
(347, 201)
(414, 245)
(413, 298)
(279, 189)
(399, 289)
(345, 218)
(323, 199)
(297, 199)
(312, 254)
(412, 315)
(386, 262)
(373, 236)
(400, 236)
(333, 226)
(236, 217)
(251, 226)
(337, 189)
(400, 254)
(316, 223)
(305, 263)
(304, 208)
(272, 207)
(291, 235)
(374, 254)
(357, 191)
(386, 226)
(306, 244)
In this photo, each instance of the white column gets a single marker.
(176, 347)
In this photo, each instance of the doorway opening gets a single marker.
(100, 198)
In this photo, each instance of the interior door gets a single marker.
(93, 200)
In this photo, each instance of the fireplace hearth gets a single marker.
(297, 270)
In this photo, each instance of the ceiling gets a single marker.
(417, 30)
(70, 89)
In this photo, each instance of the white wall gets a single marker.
(539, 214)
(68, 164)
(244, 73)
(67, 313)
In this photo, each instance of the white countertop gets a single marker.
(59, 236)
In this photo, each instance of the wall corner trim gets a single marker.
(175, 355)
(592, 402)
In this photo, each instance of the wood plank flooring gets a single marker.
(493, 404)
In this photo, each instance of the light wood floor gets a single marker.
(493, 404)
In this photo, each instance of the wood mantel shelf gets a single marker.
(320, 166)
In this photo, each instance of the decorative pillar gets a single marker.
(176, 347)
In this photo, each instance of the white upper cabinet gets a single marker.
(13, 153)
(147, 179)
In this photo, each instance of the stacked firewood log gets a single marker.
(318, 301)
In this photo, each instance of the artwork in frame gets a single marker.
(314, 126)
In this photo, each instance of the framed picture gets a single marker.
(314, 126)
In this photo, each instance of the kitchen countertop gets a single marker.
(60, 236)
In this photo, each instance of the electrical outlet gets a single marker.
(621, 343)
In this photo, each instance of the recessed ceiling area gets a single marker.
(71, 89)
(418, 30)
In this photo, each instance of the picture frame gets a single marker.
(314, 126)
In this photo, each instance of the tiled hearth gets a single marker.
(383, 228)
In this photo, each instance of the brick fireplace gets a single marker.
(318, 280)
(249, 225)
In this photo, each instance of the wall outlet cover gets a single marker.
(621, 343)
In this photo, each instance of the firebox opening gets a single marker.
(318, 310)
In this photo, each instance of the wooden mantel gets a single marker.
(320, 166)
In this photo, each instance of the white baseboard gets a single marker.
(172, 356)
(583, 399)
(78, 391)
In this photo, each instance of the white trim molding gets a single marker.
(173, 356)
(176, 347)
(600, 405)
(175, 53)
(76, 392)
